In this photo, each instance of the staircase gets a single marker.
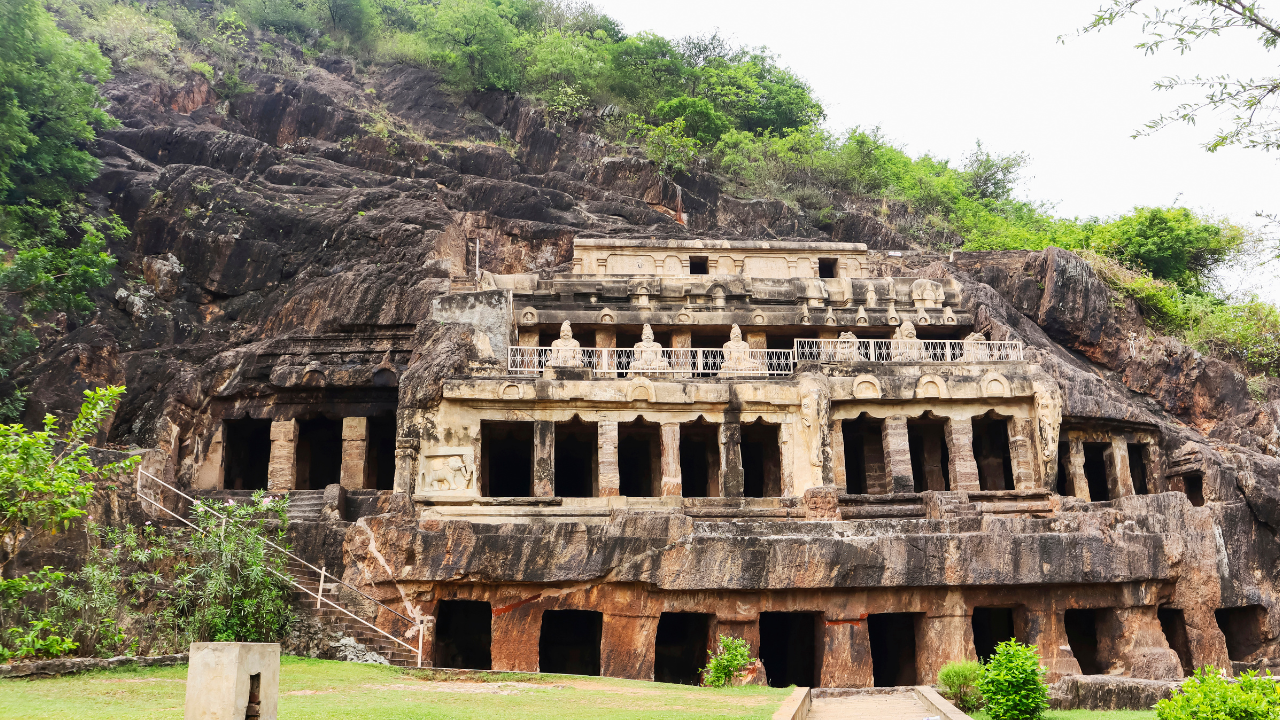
(335, 620)
(305, 505)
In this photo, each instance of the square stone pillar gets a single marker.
(1075, 470)
(607, 458)
(731, 459)
(606, 338)
(756, 339)
(741, 627)
(1119, 479)
(513, 644)
(354, 452)
(897, 454)
(627, 646)
(212, 474)
(1023, 455)
(282, 468)
(961, 466)
(1131, 638)
(406, 479)
(672, 482)
(838, 477)
(846, 654)
(233, 681)
(1045, 629)
(544, 458)
(940, 640)
(878, 481)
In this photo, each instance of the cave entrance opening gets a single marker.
(464, 634)
(319, 453)
(893, 648)
(991, 452)
(1174, 625)
(569, 642)
(991, 626)
(929, 456)
(639, 459)
(575, 462)
(1095, 471)
(761, 460)
(680, 649)
(1138, 468)
(1082, 636)
(826, 267)
(380, 467)
(506, 459)
(789, 648)
(863, 455)
(1193, 488)
(700, 458)
(1244, 628)
(1063, 482)
(246, 445)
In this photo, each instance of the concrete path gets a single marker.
(898, 706)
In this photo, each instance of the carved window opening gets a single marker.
(991, 626)
(1095, 471)
(380, 467)
(991, 452)
(789, 648)
(1174, 625)
(1063, 481)
(1192, 485)
(575, 461)
(506, 459)
(246, 447)
(680, 649)
(463, 634)
(893, 648)
(698, 265)
(700, 459)
(1082, 635)
(1244, 628)
(639, 459)
(1138, 468)
(319, 453)
(864, 456)
(761, 460)
(253, 709)
(826, 267)
(929, 456)
(570, 642)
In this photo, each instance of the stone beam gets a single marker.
(609, 481)
(282, 469)
(544, 458)
(961, 466)
(672, 483)
(354, 452)
(897, 454)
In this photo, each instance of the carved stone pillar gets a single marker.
(627, 646)
(354, 452)
(1119, 479)
(943, 638)
(669, 438)
(282, 467)
(897, 454)
(607, 441)
(544, 458)
(406, 465)
(1023, 455)
(606, 339)
(514, 640)
(961, 466)
(838, 478)
(731, 459)
(1075, 470)
(1132, 640)
(756, 339)
(1044, 628)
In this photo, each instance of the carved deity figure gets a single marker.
(847, 348)
(973, 351)
(737, 355)
(1048, 420)
(648, 354)
(565, 352)
(907, 347)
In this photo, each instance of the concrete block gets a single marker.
(233, 681)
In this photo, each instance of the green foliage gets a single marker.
(959, 683)
(731, 655)
(1207, 695)
(1012, 683)
(473, 39)
(557, 59)
(566, 103)
(750, 86)
(204, 69)
(668, 145)
(701, 120)
(1247, 331)
(1170, 243)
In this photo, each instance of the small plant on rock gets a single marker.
(959, 683)
(1012, 684)
(1207, 695)
(732, 654)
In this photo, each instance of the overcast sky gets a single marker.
(937, 75)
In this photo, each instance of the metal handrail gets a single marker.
(319, 595)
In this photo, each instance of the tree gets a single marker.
(1170, 243)
(750, 88)
(992, 177)
(1254, 102)
(702, 122)
(474, 39)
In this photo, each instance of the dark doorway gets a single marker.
(639, 459)
(698, 265)
(991, 453)
(826, 267)
(1138, 468)
(700, 459)
(1174, 625)
(991, 626)
(319, 453)
(929, 454)
(761, 461)
(570, 642)
(463, 637)
(1082, 636)
(1193, 486)
(893, 648)
(680, 651)
(246, 453)
(1095, 471)
(863, 455)
(788, 648)
(381, 449)
(575, 458)
(1244, 628)
(1063, 483)
(506, 459)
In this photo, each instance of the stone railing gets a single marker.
(914, 351)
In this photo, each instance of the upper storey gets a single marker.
(750, 258)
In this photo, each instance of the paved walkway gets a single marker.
(899, 706)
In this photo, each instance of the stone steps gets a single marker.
(337, 621)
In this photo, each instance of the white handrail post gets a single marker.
(422, 630)
(320, 593)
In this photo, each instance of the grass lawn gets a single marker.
(1088, 715)
(327, 689)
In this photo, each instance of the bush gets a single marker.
(730, 657)
(959, 683)
(1012, 683)
(1207, 695)
(668, 146)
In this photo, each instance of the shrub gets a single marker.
(959, 682)
(1012, 683)
(730, 657)
(1207, 695)
(668, 146)
(702, 122)
(204, 69)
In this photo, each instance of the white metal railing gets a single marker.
(663, 362)
(941, 351)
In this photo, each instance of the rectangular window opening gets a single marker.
(1193, 486)
(826, 267)
(700, 459)
(1082, 636)
(575, 464)
(246, 449)
(864, 456)
(1244, 628)
(639, 459)
(1063, 482)
(506, 459)
(893, 648)
(569, 642)
(463, 634)
(680, 649)
(761, 461)
(1095, 471)
(1174, 625)
(991, 453)
(991, 626)
(789, 648)
(1138, 468)
(929, 454)
(698, 265)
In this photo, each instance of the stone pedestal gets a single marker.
(607, 458)
(354, 452)
(627, 646)
(282, 468)
(672, 482)
(897, 454)
(233, 681)
(731, 459)
(846, 654)
(961, 466)
(544, 458)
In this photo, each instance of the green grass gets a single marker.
(315, 689)
(1087, 715)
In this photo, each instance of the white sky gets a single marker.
(936, 75)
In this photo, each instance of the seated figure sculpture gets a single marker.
(847, 348)
(737, 356)
(907, 346)
(565, 352)
(648, 354)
